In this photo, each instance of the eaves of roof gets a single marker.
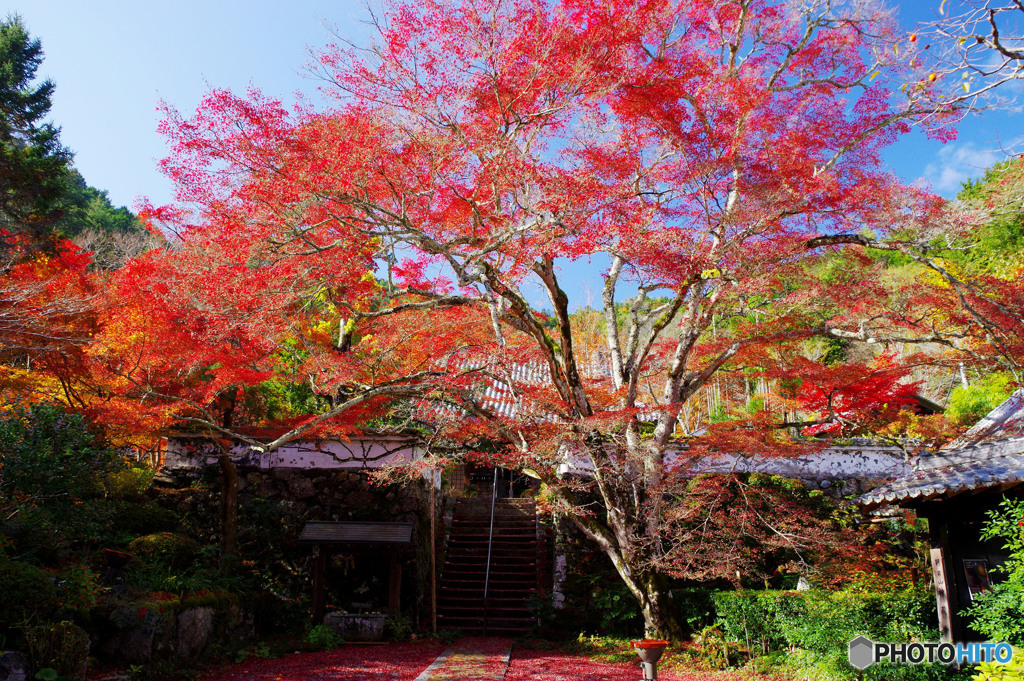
(952, 472)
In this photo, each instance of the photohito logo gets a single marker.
(864, 652)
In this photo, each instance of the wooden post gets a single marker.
(942, 595)
(947, 598)
(319, 583)
(395, 585)
(433, 557)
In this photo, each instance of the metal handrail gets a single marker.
(490, 543)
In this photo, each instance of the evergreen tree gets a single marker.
(85, 208)
(33, 163)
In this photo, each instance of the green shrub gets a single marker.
(59, 530)
(819, 625)
(132, 519)
(62, 647)
(205, 598)
(716, 650)
(448, 636)
(28, 594)
(258, 650)
(49, 674)
(751, 617)
(47, 451)
(397, 628)
(78, 587)
(128, 483)
(35, 535)
(616, 608)
(998, 612)
(695, 607)
(993, 671)
(170, 579)
(323, 637)
(979, 398)
(164, 548)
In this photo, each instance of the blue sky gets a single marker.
(113, 60)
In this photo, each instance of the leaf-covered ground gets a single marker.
(393, 662)
(554, 665)
(474, 659)
(405, 661)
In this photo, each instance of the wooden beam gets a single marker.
(394, 585)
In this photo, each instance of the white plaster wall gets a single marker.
(833, 463)
(860, 462)
(375, 453)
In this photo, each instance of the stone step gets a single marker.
(484, 528)
(475, 589)
(513, 567)
(510, 581)
(504, 548)
(498, 558)
(462, 570)
(501, 610)
(503, 537)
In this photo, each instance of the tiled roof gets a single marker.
(497, 395)
(991, 453)
(356, 533)
(931, 483)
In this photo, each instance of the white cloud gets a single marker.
(956, 163)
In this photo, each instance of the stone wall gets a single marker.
(316, 494)
(274, 505)
(139, 633)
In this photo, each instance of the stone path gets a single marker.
(473, 659)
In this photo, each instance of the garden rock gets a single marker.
(131, 646)
(136, 630)
(357, 627)
(138, 634)
(12, 666)
(194, 628)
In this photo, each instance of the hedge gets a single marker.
(817, 626)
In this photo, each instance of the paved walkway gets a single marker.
(474, 659)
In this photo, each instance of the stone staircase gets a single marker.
(513, 577)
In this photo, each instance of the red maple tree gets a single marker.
(410, 243)
(46, 320)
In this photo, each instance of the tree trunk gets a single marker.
(228, 507)
(655, 599)
(650, 589)
(660, 620)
